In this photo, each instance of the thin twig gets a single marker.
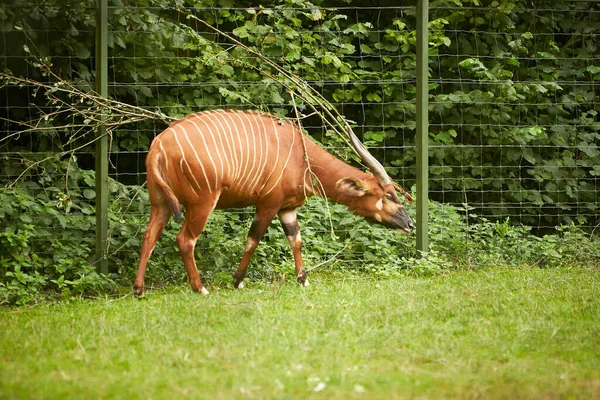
(312, 175)
(332, 258)
(329, 114)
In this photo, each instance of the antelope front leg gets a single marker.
(259, 226)
(289, 221)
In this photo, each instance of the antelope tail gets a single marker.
(156, 170)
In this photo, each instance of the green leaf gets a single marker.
(374, 97)
(365, 49)
(512, 61)
(226, 70)
(545, 54)
(276, 98)
(455, 98)
(241, 32)
(593, 69)
(468, 62)
(399, 24)
(89, 194)
(81, 51)
(528, 155)
(145, 90)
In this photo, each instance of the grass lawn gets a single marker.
(496, 333)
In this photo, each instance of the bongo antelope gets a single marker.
(224, 159)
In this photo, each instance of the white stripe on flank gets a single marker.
(258, 155)
(234, 147)
(197, 158)
(219, 133)
(207, 151)
(246, 156)
(232, 157)
(184, 161)
(210, 149)
(275, 164)
(294, 133)
(251, 155)
(246, 145)
(264, 150)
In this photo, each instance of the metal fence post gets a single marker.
(422, 126)
(102, 139)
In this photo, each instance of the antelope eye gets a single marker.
(389, 197)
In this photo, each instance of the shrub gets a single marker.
(47, 238)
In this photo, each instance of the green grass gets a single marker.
(501, 333)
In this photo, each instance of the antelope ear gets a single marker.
(352, 186)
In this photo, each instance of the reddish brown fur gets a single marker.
(224, 159)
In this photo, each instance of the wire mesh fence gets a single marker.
(513, 89)
(521, 138)
(513, 125)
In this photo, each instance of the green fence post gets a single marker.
(422, 126)
(102, 139)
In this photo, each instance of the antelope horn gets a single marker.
(371, 162)
(406, 195)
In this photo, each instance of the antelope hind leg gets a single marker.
(193, 225)
(289, 222)
(259, 226)
(159, 216)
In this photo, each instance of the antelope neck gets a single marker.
(329, 170)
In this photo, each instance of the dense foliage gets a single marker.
(514, 127)
(47, 241)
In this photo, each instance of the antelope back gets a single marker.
(239, 156)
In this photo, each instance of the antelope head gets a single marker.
(374, 197)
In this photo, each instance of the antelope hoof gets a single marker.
(204, 291)
(238, 283)
(303, 279)
(138, 291)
